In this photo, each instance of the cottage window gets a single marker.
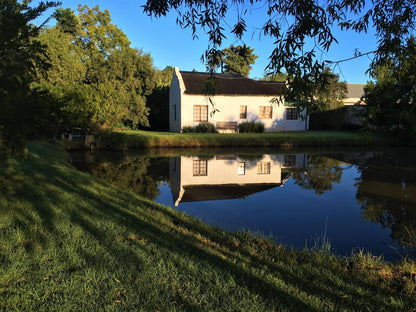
(289, 161)
(263, 167)
(200, 168)
(241, 168)
(291, 113)
(174, 112)
(200, 112)
(265, 112)
(243, 111)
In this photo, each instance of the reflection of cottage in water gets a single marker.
(229, 176)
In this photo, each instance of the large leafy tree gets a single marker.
(300, 29)
(96, 76)
(391, 97)
(329, 91)
(21, 112)
(237, 60)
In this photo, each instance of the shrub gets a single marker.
(204, 127)
(251, 127)
(188, 129)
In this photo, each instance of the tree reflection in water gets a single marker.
(321, 174)
(132, 173)
(386, 191)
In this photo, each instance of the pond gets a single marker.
(356, 199)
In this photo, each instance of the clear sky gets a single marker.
(168, 44)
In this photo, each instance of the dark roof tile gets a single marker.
(231, 85)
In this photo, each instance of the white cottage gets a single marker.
(237, 99)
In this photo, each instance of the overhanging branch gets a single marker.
(350, 58)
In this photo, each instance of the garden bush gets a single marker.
(251, 127)
(188, 129)
(204, 127)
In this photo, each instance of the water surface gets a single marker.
(360, 199)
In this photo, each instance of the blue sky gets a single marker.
(168, 44)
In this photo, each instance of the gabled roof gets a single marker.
(228, 84)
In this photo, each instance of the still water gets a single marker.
(359, 199)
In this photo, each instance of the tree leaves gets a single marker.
(20, 54)
(392, 96)
(301, 29)
(96, 76)
(237, 60)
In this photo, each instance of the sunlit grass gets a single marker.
(70, 242)
(138, 139)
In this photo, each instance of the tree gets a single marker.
(301, 29)
(326, 91)
(391, 98)
(98, 79)
(329, 91)
(274, 77)
(67, 21)
(158, 100)
(164, 77)
(237, 60)
(20, 53)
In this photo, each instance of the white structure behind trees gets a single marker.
(355, 93)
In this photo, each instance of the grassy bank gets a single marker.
(148, 139)
(70, 242)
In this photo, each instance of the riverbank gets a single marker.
(72, 242)
(149, 139)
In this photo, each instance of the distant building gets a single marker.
(355, 94)
(237, 99)
(229, 176)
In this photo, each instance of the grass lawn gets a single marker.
(71, 242)
(139, 139)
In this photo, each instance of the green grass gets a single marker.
(148, 139)
(71, 242)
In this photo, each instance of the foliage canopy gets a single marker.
(391, 98)
(237, 60)
(24, 111)
(294, 24)
(329, 91)
(301, 30)
(97, 77)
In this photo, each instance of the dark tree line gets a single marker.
(23, 110)
(81, 72)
